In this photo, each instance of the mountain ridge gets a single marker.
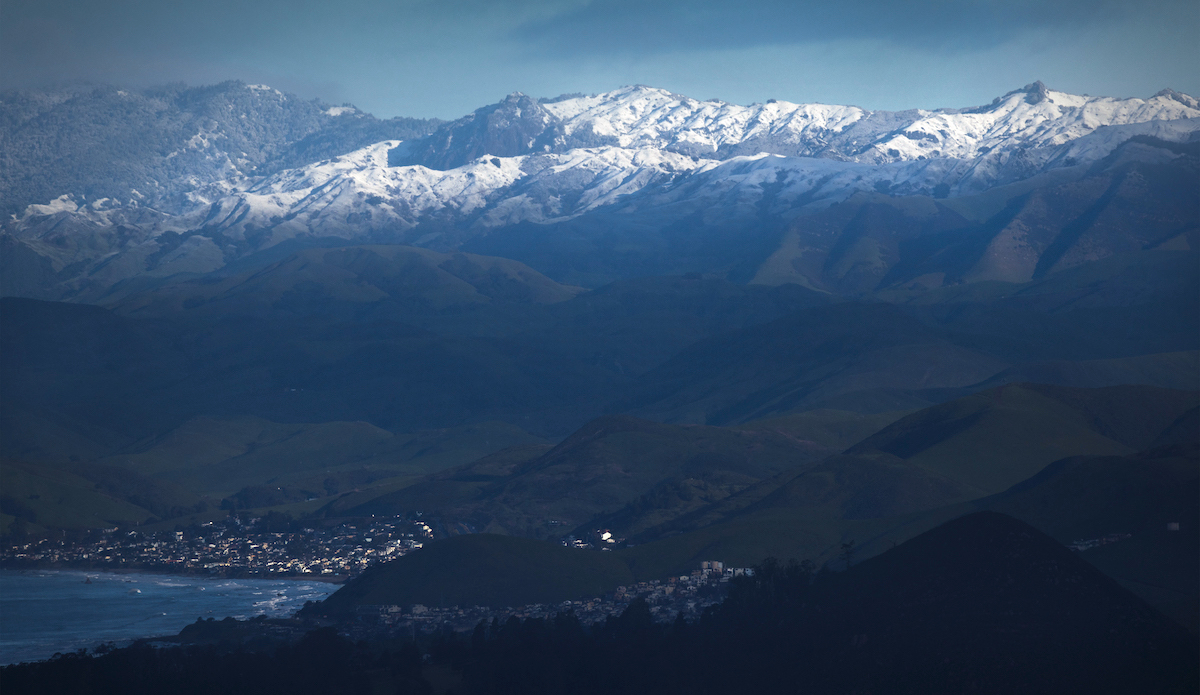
(638, 159)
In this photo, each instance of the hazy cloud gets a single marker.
(447, 57)
(667, 25)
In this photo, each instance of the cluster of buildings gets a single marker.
(600, 538)
(232, 547)
(239, 547)
(1088, 544)
(688, 594)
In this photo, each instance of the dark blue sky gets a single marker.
(447, 57)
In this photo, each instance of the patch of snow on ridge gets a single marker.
(648, 117)
(63, 203)
(264, 88)
(562, 186)
(359, 191)
(642, 116)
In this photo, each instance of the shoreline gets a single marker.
(323, 578)
(48, 609)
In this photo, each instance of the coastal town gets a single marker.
(232, 547)
(687, 595)
(275, 547)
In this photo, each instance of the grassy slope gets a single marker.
(994, 439)
(1117, 320)
(488, 570)
(314, 279)
(208, 459)
(953, 453)
(603, 466)
(863, 357)
(835, 429)
(1076, 498)
(441, 493)
(50, 498)
(1092, 497)
(83, 381)
(989, 441)
(917, 472)
(1173, 370)
(631, 326)
(1050, 224)
(217, 457)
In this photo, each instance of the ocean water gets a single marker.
(48, 611)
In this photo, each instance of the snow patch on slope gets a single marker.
(1033, 117)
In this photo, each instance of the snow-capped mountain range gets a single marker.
(635, 153)
(643, 117)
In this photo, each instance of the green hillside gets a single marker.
(246, 462)
(863, 357)
(601, 468)
(994, 439)
(320, 280)
(444, 492)
(1173, 370)
(484, 570)
(1028, 231)
(954, 452)
(633, 325)
(1073, 499)
(219, 456)
(836, 429)
(41, 498)
(742, 541)
(87, 370)
(921, 470)
(1078, 498)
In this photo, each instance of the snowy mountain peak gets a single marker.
(636, 153)
(1188, 101)
(1036, 92)
(517, 125)
(640, 116)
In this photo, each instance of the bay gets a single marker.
(47, 611)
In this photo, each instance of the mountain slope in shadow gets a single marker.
(986, 599)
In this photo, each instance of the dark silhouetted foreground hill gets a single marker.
(483, 570)
(983, 603)
(986, 602)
